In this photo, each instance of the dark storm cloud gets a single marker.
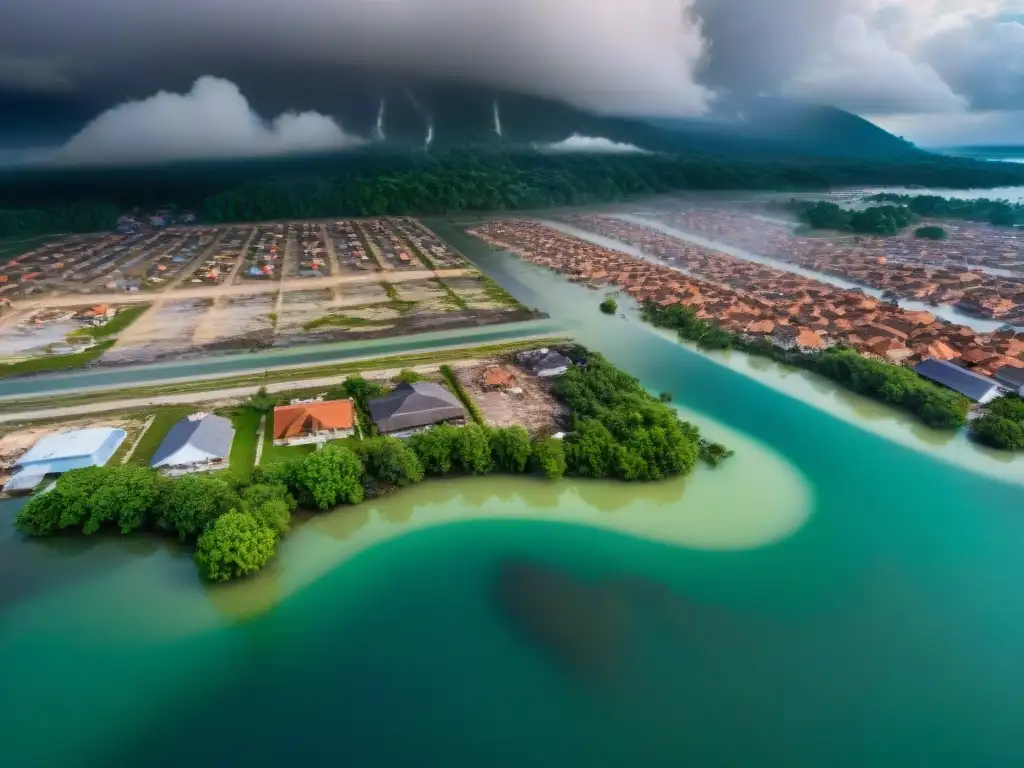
(665, 57)
(636, 56)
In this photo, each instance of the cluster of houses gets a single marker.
(757, 301)
(348, 247)
(202, 441)
(903, 267)
(439, 254)
(391, 245)
(265, 253)
(312, 252)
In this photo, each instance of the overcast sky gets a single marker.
(936, 71)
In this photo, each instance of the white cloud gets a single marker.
(864, 73)
(212, 120)
(577, 143)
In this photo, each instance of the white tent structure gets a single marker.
(201, 438)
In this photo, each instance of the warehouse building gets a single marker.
(971, 385)
(61, 452)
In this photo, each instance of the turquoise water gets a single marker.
(881, 624)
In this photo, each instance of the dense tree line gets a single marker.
(876, 220)
(931, 232)
(87, 216)
(897, 385)
(998, 212)
(375, 183)
(1002, 424)
(621, 431)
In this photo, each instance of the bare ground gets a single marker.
(534, 407)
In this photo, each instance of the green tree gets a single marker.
(511, 449)
(609, 306)
(930, 233)
(549, 458)
(235, 545)
(390, 460)
(262, 401)
(270, 503)
(329, 477)
(473, 450)
(129, 496)
(192, 502)
(408, 377)
(435, 448)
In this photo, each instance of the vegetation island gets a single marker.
(616, 431)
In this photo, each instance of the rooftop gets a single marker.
(306, 418)
(62, 445)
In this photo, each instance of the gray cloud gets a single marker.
(665, 57)
(211, 120)
(984, 60)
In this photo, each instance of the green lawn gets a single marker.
(243, 449)
(278, 453)
(116, 324)
(345, 321)
(166, 417)
(55, 362)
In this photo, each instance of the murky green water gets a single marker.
(842, 593)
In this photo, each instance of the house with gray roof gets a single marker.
(1011, 378)
(971, 385)
(411, 407)
(544, 362)
(197, 441)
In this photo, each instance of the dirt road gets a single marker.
(235, 394)
(213, 292)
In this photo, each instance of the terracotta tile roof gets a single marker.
(307, 418)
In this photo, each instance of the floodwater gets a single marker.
(831, 596)
(946, 312)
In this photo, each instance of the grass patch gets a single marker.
(462, 394)
(275, 454)
(344, 321)
(243, 448)
(499, 295)
(263, 378)
(396, 302)
(451, 298)
(165, 419)
(55, 362)
(116, 324)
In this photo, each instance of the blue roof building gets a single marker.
(969, 384)
(201, 438)
(60, 452)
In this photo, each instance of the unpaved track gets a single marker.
(233, 393)
(213, 292)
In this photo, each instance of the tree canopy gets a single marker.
(235, 545)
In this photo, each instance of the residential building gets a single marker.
(978, 388)
(411, 407)
(61, 452)
(1011, 377)
(312, 422)
(201, 440)
(545, 362)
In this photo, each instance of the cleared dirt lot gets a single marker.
(236, 317)
(168, 329)
(528, 402)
